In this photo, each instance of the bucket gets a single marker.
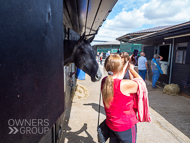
(80, 74)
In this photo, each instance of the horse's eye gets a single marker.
(83, 52)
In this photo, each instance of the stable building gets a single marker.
(104, 47)
(173, 44)
(125, 46)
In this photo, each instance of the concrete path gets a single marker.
(170, 118)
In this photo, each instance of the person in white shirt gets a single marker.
(101, 57)
(142, 65)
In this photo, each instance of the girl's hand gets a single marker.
(130, 58)
(123, 71)
(131, 66)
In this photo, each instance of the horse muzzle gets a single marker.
(97, 76)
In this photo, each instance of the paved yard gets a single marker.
(170, 118)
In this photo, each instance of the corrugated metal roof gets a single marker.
(142, 32)
(86, 15)
(115, 42)
(130, 40)
(154, 29)
(162, 31)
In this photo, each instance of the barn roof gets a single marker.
(86, 15)
(128, 36)
(150, 30)
(178, 30)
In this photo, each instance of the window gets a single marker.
(181, 53)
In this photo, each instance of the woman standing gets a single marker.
(118, 100)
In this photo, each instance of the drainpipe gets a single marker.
(171, 62)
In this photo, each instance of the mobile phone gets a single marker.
(135, 53)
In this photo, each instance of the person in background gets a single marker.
(97, 57)
(125, 57)
(118, 51)
(118, 99)
(107, 54)
(142, 65)
(155, 69)
(101, 57)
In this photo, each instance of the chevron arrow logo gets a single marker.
(13, 130)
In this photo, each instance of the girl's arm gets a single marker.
(130, 76)
(133, 72)
(123, 71)
(130, 86)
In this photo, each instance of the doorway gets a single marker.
(164, 51)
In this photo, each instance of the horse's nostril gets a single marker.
(97, 77)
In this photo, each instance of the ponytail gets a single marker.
(107, 91)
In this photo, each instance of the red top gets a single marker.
(121, 115)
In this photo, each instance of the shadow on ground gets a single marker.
(73, 137)
(96, 107)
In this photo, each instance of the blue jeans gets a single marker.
(142, 73)
(128, 136)
(155, 77)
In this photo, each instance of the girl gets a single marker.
(118, 100)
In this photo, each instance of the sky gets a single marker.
(133, 15)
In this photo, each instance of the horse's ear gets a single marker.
(81, 38)
(79, 42)
(91, 39)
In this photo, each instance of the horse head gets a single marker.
(84, 58)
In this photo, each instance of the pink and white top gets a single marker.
(141, 101)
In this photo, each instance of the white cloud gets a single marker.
(159, 12)
(142, 12)
(126, 20)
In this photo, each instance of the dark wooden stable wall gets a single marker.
(31, 64)
(181, 71)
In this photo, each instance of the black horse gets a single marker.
(81, 53)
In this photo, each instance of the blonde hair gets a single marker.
(114, 64)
